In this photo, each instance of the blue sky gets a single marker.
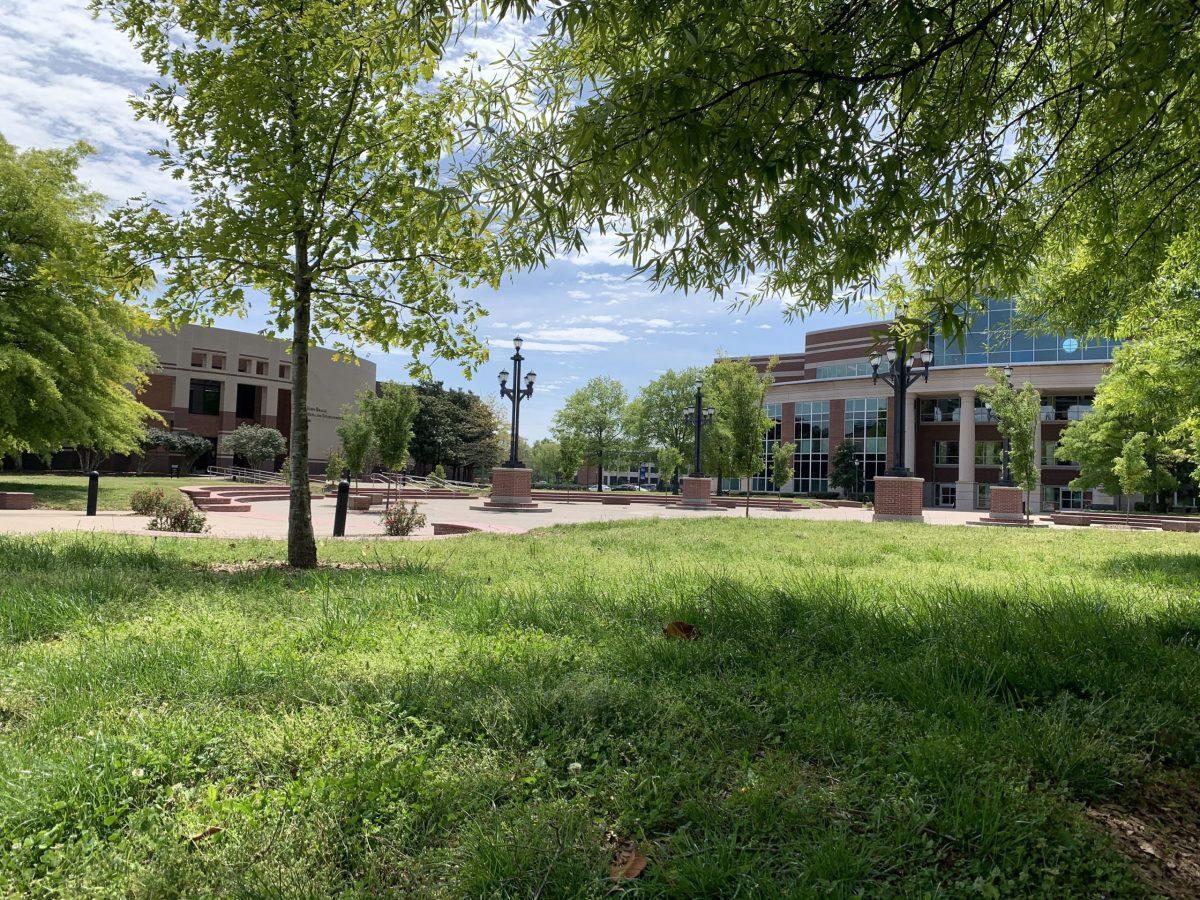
(67, 77)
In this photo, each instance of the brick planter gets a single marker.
(697, 493)
(512, 491)
(16, 500)
(898, 499)
(1007, 503)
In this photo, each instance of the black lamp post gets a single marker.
(902, 374)
(1005, 447)
(516, 393)
(698, 416)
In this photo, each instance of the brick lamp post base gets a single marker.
(1007, 503)
(697, 493)
(898, 499)
(512, 491)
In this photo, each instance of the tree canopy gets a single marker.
(592, 421)
(256, 444)
(796, 149)
(313, 137)
(455, 428)
(736, 390)
(69, 369)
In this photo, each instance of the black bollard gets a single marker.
(339, 514)
(93, 491)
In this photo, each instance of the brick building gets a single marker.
(211, 380)
(824, 395)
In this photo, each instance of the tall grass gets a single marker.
(892, 709)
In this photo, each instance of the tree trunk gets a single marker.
(747, 498)
(302, 542)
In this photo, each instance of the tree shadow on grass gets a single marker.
(57, 496)
(1149, 568)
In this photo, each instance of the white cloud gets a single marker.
(552, 347)
(578, 295)
(605, 277)
(591, 335)
(765, 327)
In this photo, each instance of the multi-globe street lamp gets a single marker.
(516, 393)
(902, 373)
(698, 416)
(1005, 447)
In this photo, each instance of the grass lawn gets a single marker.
(886, 709)
(70, 491)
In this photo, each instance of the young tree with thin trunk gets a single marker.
(313, 139)
(738, 391)
(783, 468)
(1131, 469)
(1018, 413)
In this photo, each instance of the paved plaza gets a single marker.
(268, 518)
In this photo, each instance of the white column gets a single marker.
(965, 489)
(910, 434)
(1035, 498)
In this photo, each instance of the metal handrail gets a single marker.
(240, 473)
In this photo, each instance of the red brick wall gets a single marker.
(898, 496)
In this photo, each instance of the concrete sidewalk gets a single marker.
(268, 518)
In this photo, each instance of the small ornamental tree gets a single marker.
(357, 440)
(669, 461)
(1131, 469)
(1017, 413)
(544, 458)
(570, 458)
(738, 390)
(190, 447)
(390, 417)
(843, 468)
(783, 468)
(256, 444)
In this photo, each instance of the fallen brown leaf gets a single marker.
(629, 863)
(680, 631)
(205, 833)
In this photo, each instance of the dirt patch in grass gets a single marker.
(1157, 827)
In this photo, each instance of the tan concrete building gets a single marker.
(211, 380)
(824, 395)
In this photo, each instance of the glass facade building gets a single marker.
(867, 427)
(991, 340)
(812, 446)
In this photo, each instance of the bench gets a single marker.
(614, 501)
(15, 500)
(360, 501)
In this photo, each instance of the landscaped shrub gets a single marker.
(401, 520)
(178, 514)
(147, 501)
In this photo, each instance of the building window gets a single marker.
(866, 426)
(1049, 449)
(991, 340)
(247, 401)
(947, 494)
(857, 369)
(812, 446)
(988, 453)
(218, 361)
(945, 453)
(762, 481)
(204, 397)
(261, 367)
(244, 365)
(1066, 408)
(285, 371)
(199, 359)
(1065, 498)
(982, 413)
(940, 409)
